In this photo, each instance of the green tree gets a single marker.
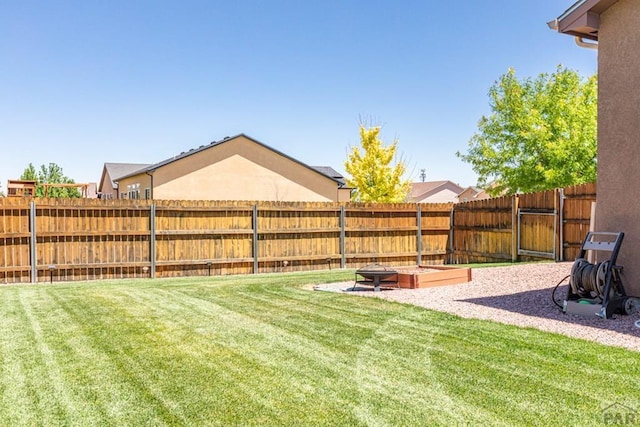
(50, 174)
(373, 176)
(540, 135)
(29, 173)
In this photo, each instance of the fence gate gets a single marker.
(537, 233)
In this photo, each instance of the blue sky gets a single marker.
(89, 82)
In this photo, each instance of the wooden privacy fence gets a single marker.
(543, 225)
(80, 239)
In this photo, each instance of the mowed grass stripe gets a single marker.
(397, 382)
(167, 360)
(312, 368)
(22, 367)
(104, 377)
(524, 347)
(259, 350)
(125, 367)
(182, 336)
(370, 386)
(362, 367)
(54, 389)
(46, 377)
(523, 371)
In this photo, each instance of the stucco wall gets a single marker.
(233, 178)
(106, 187)
(141, 181)
(239, 169)
(444, 196)
(618, 205)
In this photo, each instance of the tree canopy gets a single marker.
(373, 176)
(541, 133)
(50, 174)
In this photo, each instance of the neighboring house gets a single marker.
(21, 188)
(27, 188)
(92, 191)
(111, 172)
(234, 168)
(434, 192)
(470, 194)
(611, 26)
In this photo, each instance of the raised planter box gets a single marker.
(432, 275)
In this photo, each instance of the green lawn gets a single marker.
(260, 350)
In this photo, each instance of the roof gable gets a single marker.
(472, 193)
(115, 171)
(325, 171)
(422, 190)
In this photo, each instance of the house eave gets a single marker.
(582, 19)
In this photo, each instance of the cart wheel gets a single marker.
(631, 305)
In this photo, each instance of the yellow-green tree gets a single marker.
(373, 176)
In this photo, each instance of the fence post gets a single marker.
(515, 228)
(255, 238)
(343, 256)
(152, 239)
(419, 236)
(33, 259)
(560, 225)
(451, 245)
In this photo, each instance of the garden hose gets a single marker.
(553, 294)
(588, 280)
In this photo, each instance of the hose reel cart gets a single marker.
(597, 288)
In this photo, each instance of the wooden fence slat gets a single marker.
(109, 239)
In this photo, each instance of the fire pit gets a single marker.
(411, 277)
(377, 274)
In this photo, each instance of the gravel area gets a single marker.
(518, 295)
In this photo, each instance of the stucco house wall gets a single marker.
(111, 172)
(471, 194)
(618, 204)
(106, 186)
(237, 168)
(434, 192)
(134, 187)
(611, 27)
(445, 195)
